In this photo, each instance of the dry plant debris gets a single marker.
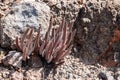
(53, 48)
(109, 61)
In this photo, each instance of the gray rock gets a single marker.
(13, 58)
(95, 24)
(22, 15)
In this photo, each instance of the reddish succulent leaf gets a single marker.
(50, 59)
(68, 51)
(37, 39)
(56, 49)
(18, 44)
(48, 48)
(31, 49)
(26, 43)
(23, 37)
(47, 35)
(65, 33)
(30, 36)
(25, 50)
(42, 47)
(63, 53)
(71, 36)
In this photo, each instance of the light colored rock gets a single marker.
(22, 15)
(16, 76)
(34, 74)
(13, 58)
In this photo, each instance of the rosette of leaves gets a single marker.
(53, 47)
(57, 42)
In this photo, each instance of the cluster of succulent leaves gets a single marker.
(55, 45)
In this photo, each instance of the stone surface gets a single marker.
(21, 15)
(73, 68)
(35, 61)
(2, 54)
(61, 8)
(95, 25)
(16, 76)
(34, 74)
(13, 58)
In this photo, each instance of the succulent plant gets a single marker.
(53, 47)
(57, 45)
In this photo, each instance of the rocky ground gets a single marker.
(72, 69)
(95, 24)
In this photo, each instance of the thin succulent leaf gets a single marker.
(48, 31)
(60, 28)
(25, 50)
(42, 48)
(57, 48)
(65, 33)
(56, 44)
(62, 25)
(68, 51)
(50, 59)
(23, 38)
(57, 41)
(70, 26)
(71, 36)
(48, 49)
(36, 43)
(62, 54)
(43, 52)
(48, 56)
(30, 36)
(29, 44)
(31, 49)
(59, 53)
(18, 44)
